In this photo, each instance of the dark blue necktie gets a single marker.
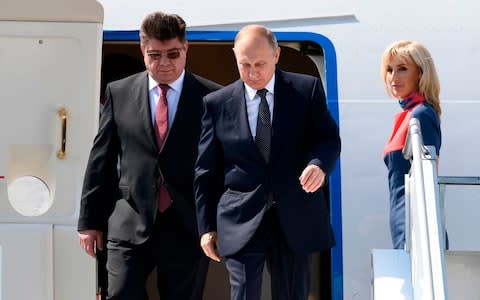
(263, 135)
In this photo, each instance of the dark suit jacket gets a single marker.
(303, 132)
(128, 199)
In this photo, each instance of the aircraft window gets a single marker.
(29, 196)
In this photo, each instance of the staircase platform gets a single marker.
(463, 274)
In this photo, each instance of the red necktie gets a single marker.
(161, 119)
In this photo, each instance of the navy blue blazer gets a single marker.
(232, 180)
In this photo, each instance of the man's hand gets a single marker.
(208, 241)
(89, 239)
(312, 178)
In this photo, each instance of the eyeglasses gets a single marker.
(170, 54)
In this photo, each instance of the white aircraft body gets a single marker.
(56, 55)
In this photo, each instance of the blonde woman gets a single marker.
(409, 74)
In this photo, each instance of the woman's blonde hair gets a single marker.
(412, 51)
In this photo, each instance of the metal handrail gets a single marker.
(422, 198)
(458, 180)
(414, 130)
(443, 182)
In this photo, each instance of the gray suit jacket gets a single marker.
(127, 202)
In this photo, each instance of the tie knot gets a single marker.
(262, 93)
(164, 88)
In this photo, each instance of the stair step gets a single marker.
(463, 274)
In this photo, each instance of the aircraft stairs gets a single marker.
(426, 269)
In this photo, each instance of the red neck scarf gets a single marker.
(401, 121)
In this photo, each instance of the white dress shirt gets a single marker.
(173, 96)
(252, 101)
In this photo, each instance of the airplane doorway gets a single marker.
(215, 61)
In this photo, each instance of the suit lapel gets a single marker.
(282, 94)
(145, 111)
(187, 94)
(236, 113)
(237, 125)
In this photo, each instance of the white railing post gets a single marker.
(423, 219)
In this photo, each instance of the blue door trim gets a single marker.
(332, 102)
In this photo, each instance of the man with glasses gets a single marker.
(138, 185)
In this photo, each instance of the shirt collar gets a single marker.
(176, 85)
(251, 93)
